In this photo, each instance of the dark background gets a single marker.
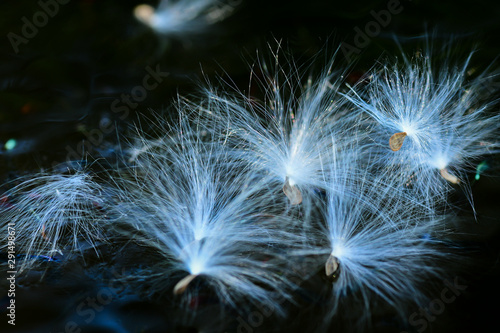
(62, 83)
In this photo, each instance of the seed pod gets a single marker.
(292, 193)
(396, 141)
(332, 267)
(449, 177)
(182, 285)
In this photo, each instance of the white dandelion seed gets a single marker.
(180, 17)
(53, 214)
(429, 122)
(374, 244)
(289, 138)
(207, 220)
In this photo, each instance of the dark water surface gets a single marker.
(57, 93)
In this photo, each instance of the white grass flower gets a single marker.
(53, 214)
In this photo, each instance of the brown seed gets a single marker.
(449, 177)
(182, 285)
(44, 235)
(292, 192)
(144, 13)
(396, 141)
(331, 266)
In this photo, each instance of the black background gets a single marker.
(62, 82)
